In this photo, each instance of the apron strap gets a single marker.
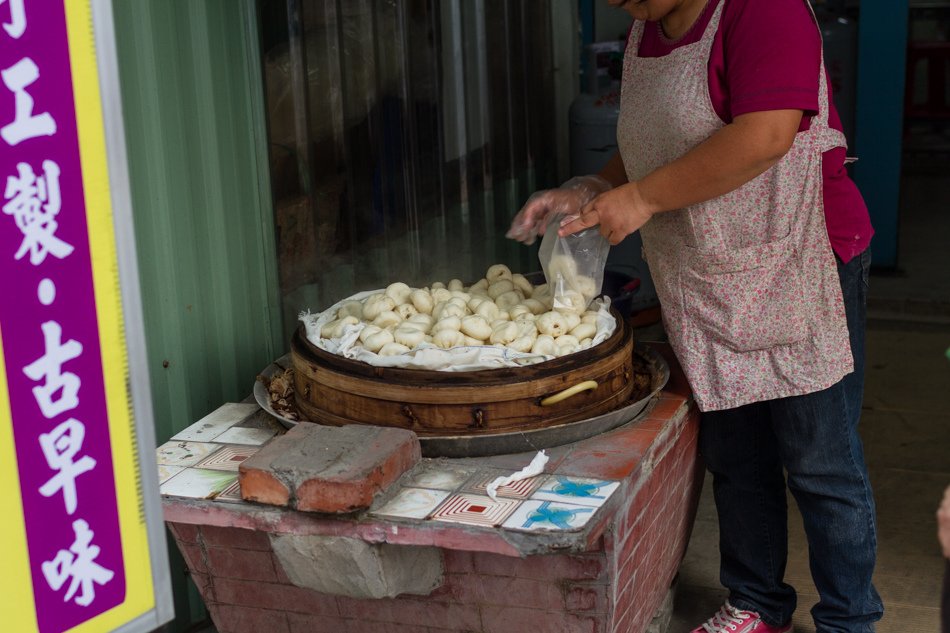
(826, 137)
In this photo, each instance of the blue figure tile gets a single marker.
(577, 490)
(537, 516)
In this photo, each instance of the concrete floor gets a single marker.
(905, 428)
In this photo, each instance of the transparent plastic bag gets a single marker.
(573, 265)
(568, 198)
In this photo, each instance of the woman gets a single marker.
(731, 165)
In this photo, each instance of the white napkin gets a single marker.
(534, 468)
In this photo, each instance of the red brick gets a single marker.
(508, 619)
(637, 605)
(184, 532)
(590, 598)
(329, 469)
(628, 588)
(454, 588)
(372, 626)
(627, 566)
(205, 586)
(241, 564)
(240, 538)
(668, 407)
(513, 592)
(238, 619)
(616, 456)
(273, 596)
(452, 616)
(621, 622)
(630, 439)
(194, 558)
(629, 522)
(456, 562)
(650, 424)
(371, 472)
(647, 537)
(447, 538)
(336, 498)
(591, 566)
(641, 619)
(262, 486)
(307, 623)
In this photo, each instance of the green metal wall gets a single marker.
(204, 230)
(193, 109)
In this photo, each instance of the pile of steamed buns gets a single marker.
(503, 309)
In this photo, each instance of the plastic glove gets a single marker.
(566, 199)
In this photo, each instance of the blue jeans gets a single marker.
(814, 438)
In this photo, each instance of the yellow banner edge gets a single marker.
(139, 596)
(16, 585)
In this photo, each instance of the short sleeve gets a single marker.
(771, 53)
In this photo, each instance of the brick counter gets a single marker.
(609, 575)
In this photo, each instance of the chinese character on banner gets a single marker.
(49, 368)
(34, 202)
(17, 24)
(25, 124)
(79, 564)
(60, 446)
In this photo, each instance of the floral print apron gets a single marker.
(747, 282)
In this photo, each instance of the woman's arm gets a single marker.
(614, 171)
(728, 159)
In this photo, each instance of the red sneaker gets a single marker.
(732, 620)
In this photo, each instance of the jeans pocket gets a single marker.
(749, 299)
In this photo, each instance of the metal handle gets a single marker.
(570, 391)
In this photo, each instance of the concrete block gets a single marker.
(351, 567)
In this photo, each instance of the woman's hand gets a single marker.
(567, 199)
(619, 212)
(532, 218)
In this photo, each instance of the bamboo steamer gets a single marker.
(336, 391)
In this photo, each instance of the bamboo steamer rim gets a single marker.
(304, 350)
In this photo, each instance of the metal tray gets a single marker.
(515, 441)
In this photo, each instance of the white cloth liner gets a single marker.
(428, 356)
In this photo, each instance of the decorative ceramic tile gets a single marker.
(183, 453)
(576, 490)
(517, 490)
(228, 458)
(198, 483)
(166, 472)
(231, 493)
(438, 475)
(475, 510)
(216, 422)
(541, 516)
(241, 435)
(412, 503)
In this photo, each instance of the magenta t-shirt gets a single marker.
(765, 56)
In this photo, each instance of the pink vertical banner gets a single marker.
(49, 328)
